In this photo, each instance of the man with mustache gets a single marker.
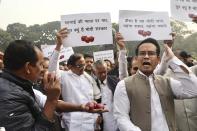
(19, 109)
(77, 87)
(145, 101)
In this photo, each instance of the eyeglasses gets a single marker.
(149, 53)
(80, 66)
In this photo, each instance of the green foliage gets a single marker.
(180, 28)
(115, 27)
(5, 39)
(17, 30)
(45, 34)
(185, 39)
(190, 44)
(48, 32)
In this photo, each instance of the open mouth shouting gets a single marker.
(146, 64)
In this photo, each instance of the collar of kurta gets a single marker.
(143, 76)
(72, 73)
(103, 82)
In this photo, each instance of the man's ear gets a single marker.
(27, 67)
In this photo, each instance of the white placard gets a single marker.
(183, 9)
(102, 55)
(138, 25)
(87, 29)
(65, 53)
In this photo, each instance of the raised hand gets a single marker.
(52, 88)
(170, 42)
(168, 53)
(60, 35)
(120, 41)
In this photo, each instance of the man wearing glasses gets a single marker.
(77, 87)
(145, 101)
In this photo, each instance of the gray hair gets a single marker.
(99, 62)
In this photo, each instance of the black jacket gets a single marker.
(18, 108)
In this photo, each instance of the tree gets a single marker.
(17, 30)
(190, 44)
(49, 31)
(33, 33)
(115, 26)
(44, 34)
(5, 39)
(181, 30)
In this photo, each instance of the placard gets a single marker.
(65, 53)
(184, 10)
(87, 29)
(102, 55)
(138, 25)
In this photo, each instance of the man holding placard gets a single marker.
(77, 87)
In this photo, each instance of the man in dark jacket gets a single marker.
(18, 107)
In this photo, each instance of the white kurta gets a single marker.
(77, 89)
(109, 122)
(40, 98)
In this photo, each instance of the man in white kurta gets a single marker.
(77, 87)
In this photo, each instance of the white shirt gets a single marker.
(109, 122)
(75, 89)
(186, 87)
(40, 98)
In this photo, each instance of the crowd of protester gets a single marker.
(144, 92)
